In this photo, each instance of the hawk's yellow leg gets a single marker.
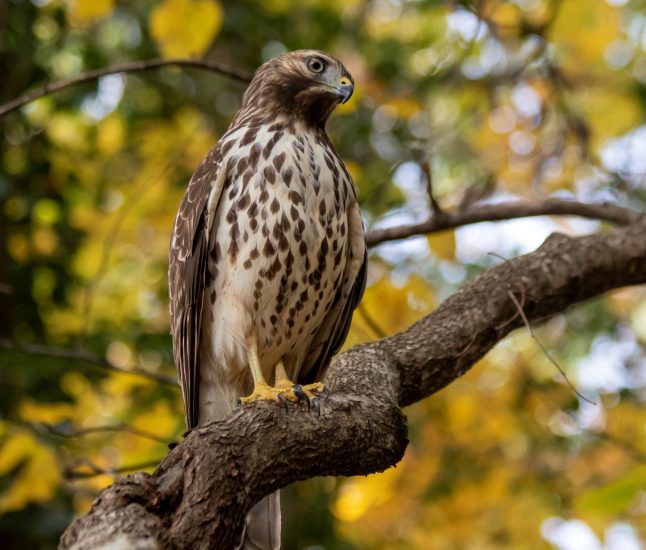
(294, 392)
(284, 389)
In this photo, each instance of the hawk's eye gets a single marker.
(316, 65)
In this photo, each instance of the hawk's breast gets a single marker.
(278, 247)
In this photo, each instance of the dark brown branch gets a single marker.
(436, 209)
(84, 357)
(131, 66)
(505, 211)
(200, 493)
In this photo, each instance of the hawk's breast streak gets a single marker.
(276, 264)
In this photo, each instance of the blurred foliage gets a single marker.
(523, 98)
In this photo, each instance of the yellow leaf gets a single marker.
(443, 244)
(38, 472)
(404, 107)
(87, 10)
(52, 413)
(609, 112)
(506, 17)
(184, 28)
(584, 43)
(44, 241)
(110, 135)
(67, 131)
(18, 247)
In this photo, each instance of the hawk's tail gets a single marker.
(262, 527)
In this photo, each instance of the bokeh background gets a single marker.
(504, 99)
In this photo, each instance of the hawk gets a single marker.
(268, 254)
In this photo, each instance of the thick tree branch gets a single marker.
(200, 493)
(505, 211)
(132, 66)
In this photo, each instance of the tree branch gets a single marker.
(200, 493)
(85, 469)
(85, 357)
(505, 211)
(128, 67)
(436, 209)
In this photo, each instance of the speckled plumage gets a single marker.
(268, 238)
(268, 245)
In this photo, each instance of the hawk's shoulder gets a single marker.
(193, 203)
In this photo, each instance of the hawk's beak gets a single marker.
(344, 89)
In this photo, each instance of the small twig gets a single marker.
(522, 296)
(551, 359)
(518, 310)
(79, 432)
(506, 211)
(436, 209)
(85, 357)
(370, 321)
(467, 347)
(70, 473)
(132, 66)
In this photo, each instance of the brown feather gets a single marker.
(186, 278)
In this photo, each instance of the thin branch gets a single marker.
(528, 325)
(371, 322)
(70, 433)
(506, 211)
(518, 311)
(131, 66)
(85, 357)
(436, 209)
(72, 473)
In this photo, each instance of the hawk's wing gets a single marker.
(336, 325)
(187, 273)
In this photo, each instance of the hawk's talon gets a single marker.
(283, 399)
(285, 391)
(301, 395)
(316, 403)
(326, 393)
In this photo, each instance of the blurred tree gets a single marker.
(505, 100)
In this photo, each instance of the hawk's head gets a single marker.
(303, 84)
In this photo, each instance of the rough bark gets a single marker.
(200, 493)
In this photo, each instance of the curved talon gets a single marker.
(283, 400)
(300, 393)
(326, 393)
(316, 403)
